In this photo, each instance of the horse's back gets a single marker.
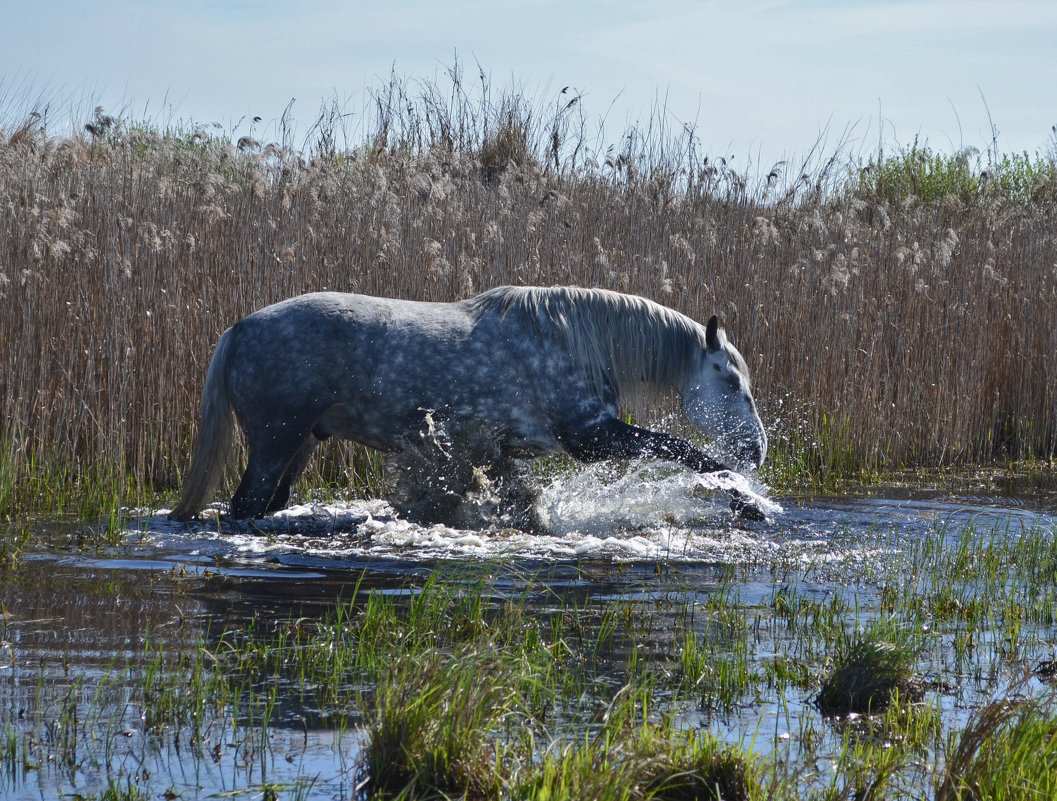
(330, 323)
(365, 368)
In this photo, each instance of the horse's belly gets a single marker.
(384, 428)
(343, 421)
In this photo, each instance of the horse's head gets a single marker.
(717, 400)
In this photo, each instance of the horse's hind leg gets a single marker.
(294, 469)
(269, 464)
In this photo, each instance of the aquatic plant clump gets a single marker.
(434, 715)
(867, 674)
(466, 722)
(650, 763)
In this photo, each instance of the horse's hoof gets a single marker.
(744, 509)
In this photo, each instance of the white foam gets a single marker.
(645, 495)
(646, 512)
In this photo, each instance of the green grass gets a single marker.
(1008, 751)
(644, 761)
(955, 182)
(436, 720)
(116, 791)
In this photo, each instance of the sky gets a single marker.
(759, 81)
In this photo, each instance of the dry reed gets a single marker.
(880, 333)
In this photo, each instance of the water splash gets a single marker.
(455, 473)
(629, 512)
(642, 495)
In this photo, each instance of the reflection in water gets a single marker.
(79, 625)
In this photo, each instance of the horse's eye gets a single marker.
(715, 367)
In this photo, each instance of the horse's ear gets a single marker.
(712, 334)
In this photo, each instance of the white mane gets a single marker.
(639, 348)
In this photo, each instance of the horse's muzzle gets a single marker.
(750, 455)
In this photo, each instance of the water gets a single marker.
(78, 616)
(645, 514)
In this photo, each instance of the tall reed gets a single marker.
(883, 329)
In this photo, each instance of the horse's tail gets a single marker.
(215, 432)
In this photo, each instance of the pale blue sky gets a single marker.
(762, 80)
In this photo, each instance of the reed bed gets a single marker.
(891, 320)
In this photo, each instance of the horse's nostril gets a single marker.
(753, 455)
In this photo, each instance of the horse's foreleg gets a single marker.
(614, 439)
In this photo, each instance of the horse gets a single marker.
(547, 369)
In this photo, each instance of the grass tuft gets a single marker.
(868, 673)
(433, 719)
(1008, 751)
(651, 762)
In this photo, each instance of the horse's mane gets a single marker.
(641, 349)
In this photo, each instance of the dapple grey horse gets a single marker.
(549, 370)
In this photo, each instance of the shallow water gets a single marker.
(75, 614)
